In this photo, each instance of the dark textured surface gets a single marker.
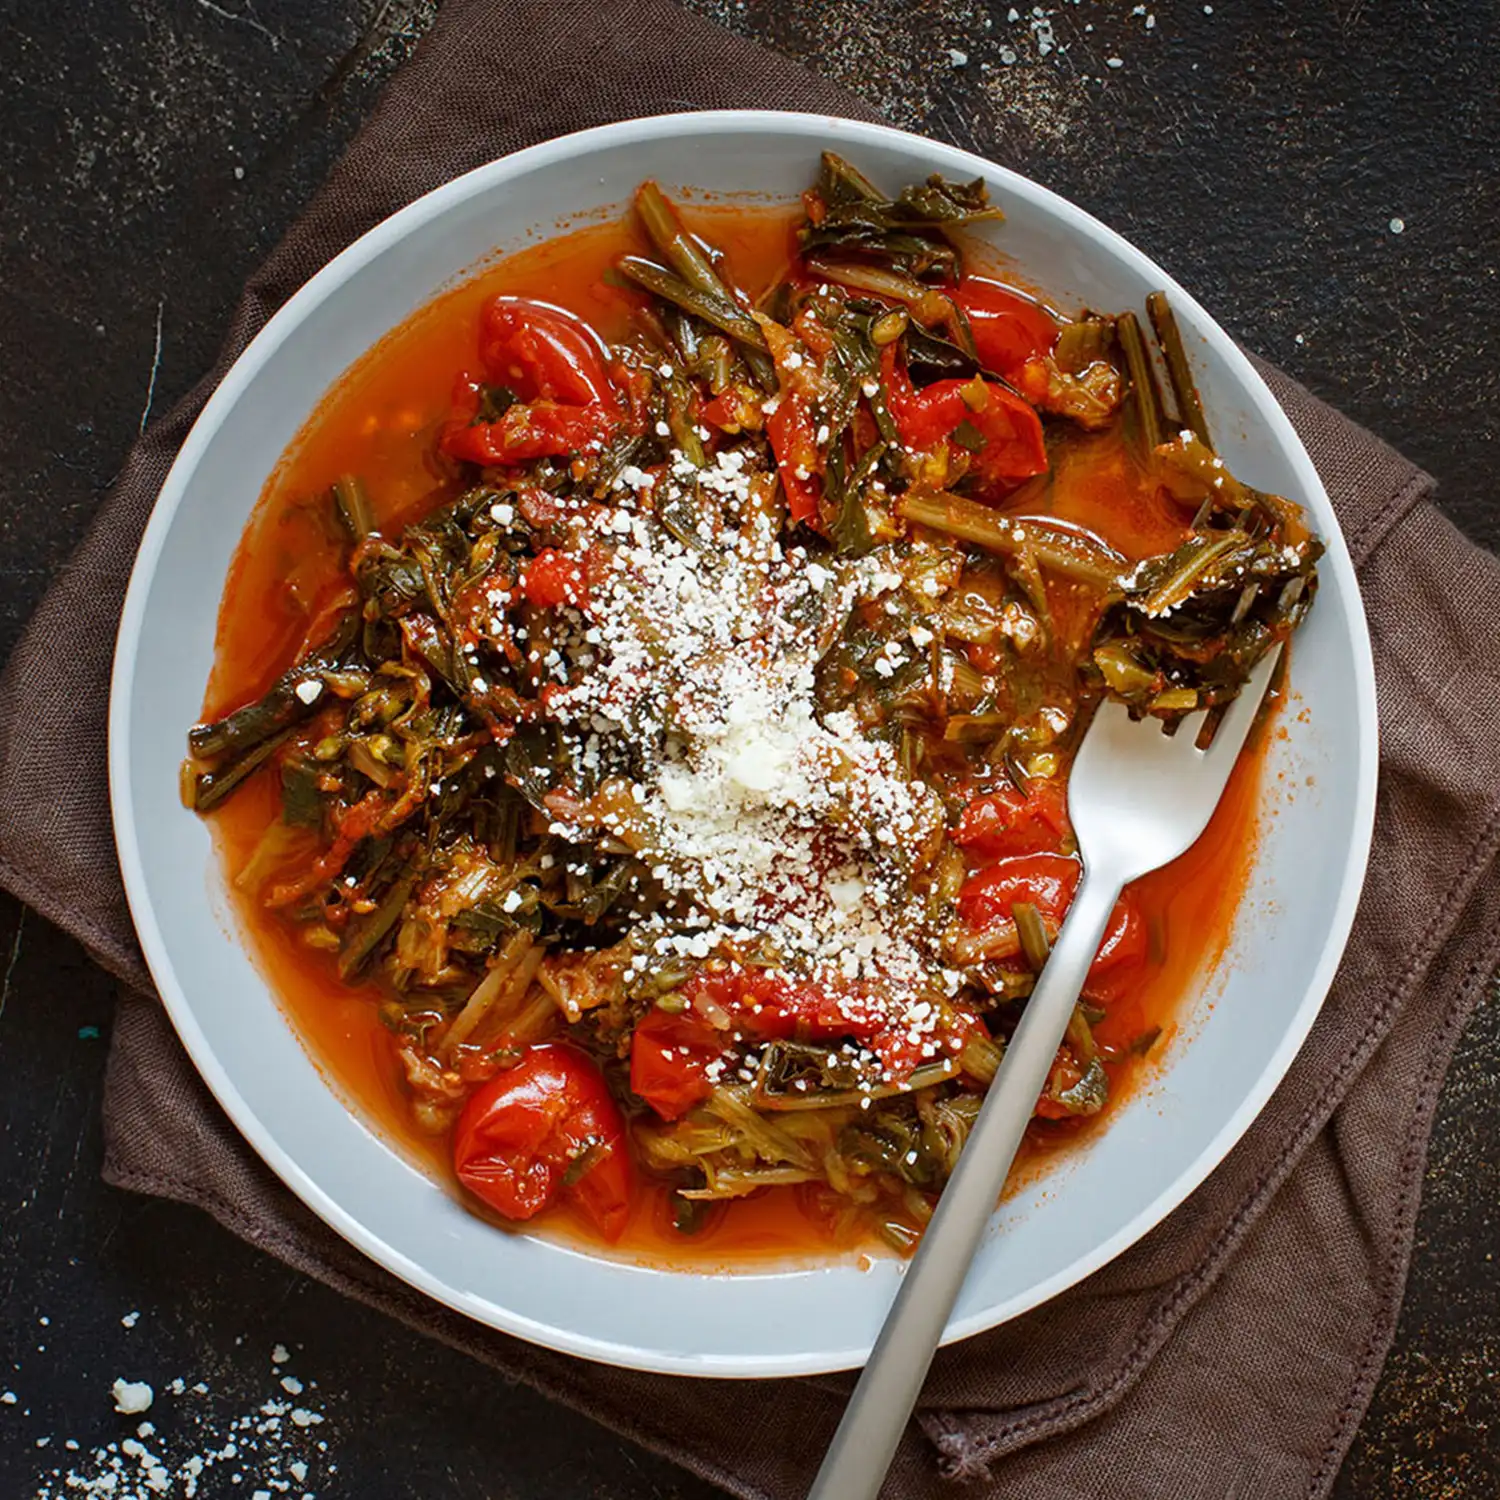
(155, 151)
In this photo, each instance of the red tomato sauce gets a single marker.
(382, 421)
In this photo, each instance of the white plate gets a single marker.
(1160, 1145)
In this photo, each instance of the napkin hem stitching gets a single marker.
(1373, 531)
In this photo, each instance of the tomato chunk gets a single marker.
(770, 1006)
(1004, 823)
(1049, 883)
(669, 1058)
(1009, 329)
(797, 458)
(1013, 447)
(553, 364)
(545, 1128)
(923, 418)
(553, 578)
(537, 351)
(1064, 1075)
(536, 429)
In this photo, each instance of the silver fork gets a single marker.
(1137, 798)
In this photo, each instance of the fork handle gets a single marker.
(855, 1465)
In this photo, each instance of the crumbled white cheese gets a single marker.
(132, 1396)
(309, 690)
(259, 1454)
(764, 820)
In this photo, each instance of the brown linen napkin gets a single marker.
(1232, 1351)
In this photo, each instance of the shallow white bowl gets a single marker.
(1160, 1145)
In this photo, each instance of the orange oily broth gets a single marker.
(380, 422)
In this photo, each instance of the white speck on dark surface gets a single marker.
(1397, 225)
(191, 1452)
(132, 1396)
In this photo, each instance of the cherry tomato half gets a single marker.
(544, 1128)
(530, 429)
(1009, 328)
(1049, 882)
(538, 351)
(553, 363)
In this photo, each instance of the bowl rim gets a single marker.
(325, 283)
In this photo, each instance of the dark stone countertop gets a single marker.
(1322, 175)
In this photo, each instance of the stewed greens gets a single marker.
(685, 777)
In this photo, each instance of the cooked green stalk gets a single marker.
(294, 696)
(1035, 943)
(212, 787)
(362, 940)
(1065, 551)
(1142, 380)
(354, 507)
(681, 251)
(924, 1077)
(928, 305)
(711, 308)
(1192, 565)
(1189, 406)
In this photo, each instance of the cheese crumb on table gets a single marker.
(132, 1396)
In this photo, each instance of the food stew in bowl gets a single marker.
(639, 733)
